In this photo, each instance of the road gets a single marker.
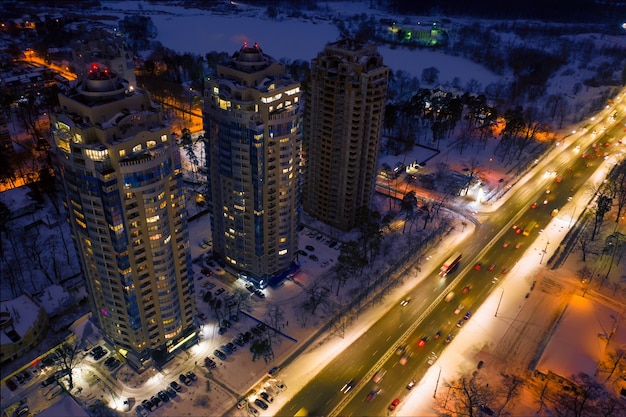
(496, 242)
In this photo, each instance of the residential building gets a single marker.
(252, 120)
(121, 175)
(344, 110)
(23, 324)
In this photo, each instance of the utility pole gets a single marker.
(437, 383)
(499, 301)
(543, 252)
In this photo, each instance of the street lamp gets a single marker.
(499, 301)
(543, 252)
(571, 219)
(437, 383)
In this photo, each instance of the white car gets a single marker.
(242, 403)
(405, 301)
(279, 384)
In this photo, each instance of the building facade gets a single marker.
(121, 175)
(344, 111)
(252, 120)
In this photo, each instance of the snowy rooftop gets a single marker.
(580, 338)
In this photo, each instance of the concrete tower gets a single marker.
(121, 174)
(252, 120)
(345, 105)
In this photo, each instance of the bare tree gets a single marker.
(68, 357)
(585, 244)
(472, 395)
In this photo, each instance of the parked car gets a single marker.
(184, 379)
(191, 376)
(163, 396)
(268, 398)
(394, 404)
(279, 384)
(260, 403)
(155, 400)
(410, 385)
(141, 410)
(242, 403)
(48, 381)
(170, 392)
(148, 405)
(176, 386)
(11, 385)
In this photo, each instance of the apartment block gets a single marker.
(344, 111)
(253, 125)
(121, 175)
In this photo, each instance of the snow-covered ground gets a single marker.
(486, 337)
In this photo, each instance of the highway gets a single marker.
(497, 245)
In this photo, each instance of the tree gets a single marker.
(603, 205)
(587, 398)
(68, 356)
(430, 75)
(617, 180)
(5, 216)
(471, 395)
(585, 244)
(261, 348)
(408, 206)
(275, 315)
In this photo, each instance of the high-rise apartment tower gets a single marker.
(252, 120)
(344, 109)
(121, 175)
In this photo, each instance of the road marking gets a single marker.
(374, 354)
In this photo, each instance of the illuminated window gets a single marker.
(122, 153)
(97, 155)
(151, 144)
(152, 219)
(137, 148)
(163, 138)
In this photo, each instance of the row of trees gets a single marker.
(478, 394)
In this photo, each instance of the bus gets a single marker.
(529, 228)
(450, 264)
